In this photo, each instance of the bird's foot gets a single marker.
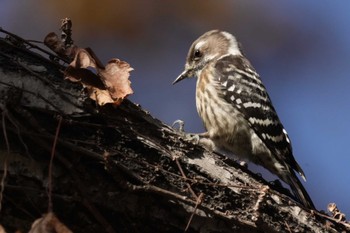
(190, 137)
(181, 124)
(197, 139)
(201, 139)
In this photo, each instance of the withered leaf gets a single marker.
(86, 58)
(55, 44)
(111, 83)
(98, 63)
(101, 97)
(2, 229)
(115, 76)
(77, 72)
(84, 76)
(47, 224)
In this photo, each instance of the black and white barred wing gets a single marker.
(243, 88)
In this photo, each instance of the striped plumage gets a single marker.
(236, 109)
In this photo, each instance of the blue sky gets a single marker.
(301, 49)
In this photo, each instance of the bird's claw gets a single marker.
(196, 139)
(200, 139)
(181, 124)
(193, 138)
(190, 137)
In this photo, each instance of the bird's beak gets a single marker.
(182, 76)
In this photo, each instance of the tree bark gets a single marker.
(118, 169)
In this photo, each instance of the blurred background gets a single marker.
(300, 48)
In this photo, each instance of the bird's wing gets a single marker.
(242, 87)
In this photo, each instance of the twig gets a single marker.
(345, 224)
(288, 228)
(35, 94)
(15, 124)
(20, 210)
(198, 202)
(3, 178)
(261, 197)
(185, 177)
(51, 163)
(178, 197)
(332, 207)
(48, 83)
(43, 81)
(92, 209)
(85, 200)
(32, 45)
(69, 145)
(97, 214)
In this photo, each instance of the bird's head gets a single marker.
(210, 46)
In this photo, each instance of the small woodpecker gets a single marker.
(236, 109)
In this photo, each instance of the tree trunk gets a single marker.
(118, 169)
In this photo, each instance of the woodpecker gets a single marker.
(237, 111)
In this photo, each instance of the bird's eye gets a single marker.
(197, 54)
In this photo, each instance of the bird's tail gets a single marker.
(299, 191)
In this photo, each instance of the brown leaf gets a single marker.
(54, 43)
(63, 46)
(116, 79)
(101, 97)
(49, 223)
(86, 58)
(97, 61)
(339, 216)
(83, 59)
(111, 83)
(2, 229)
(84, 76)
(77, 72)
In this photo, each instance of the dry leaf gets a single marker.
(2, 229)
(49, 223)
(111, 83)
(54, 43)
(84, 76)
(108, 84)
(116, 79)
(86, 58)
(66, 35)
(77, 72)
(63, 46)
(98, 63)
(101, 97)
(339, 216)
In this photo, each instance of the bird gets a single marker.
(237, 111)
